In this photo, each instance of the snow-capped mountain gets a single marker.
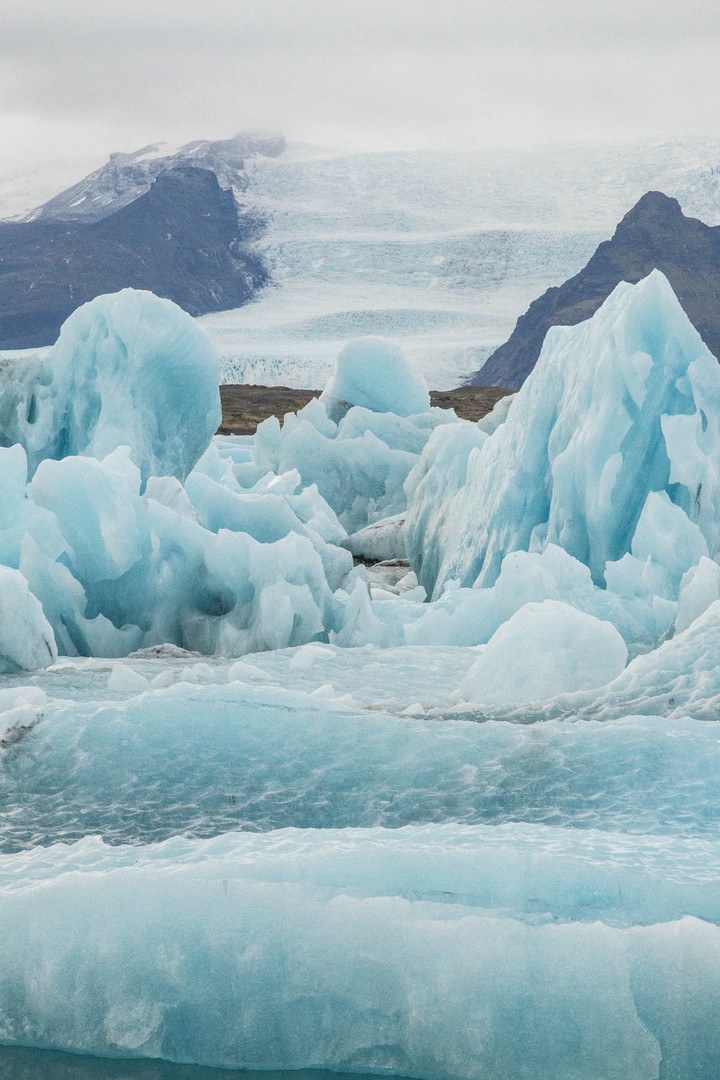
(183, 239)
(126, 176)
(653, 235)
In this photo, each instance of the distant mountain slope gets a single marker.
(182, 239)
(126, 176)
(655, 234)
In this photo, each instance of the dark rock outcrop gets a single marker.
(183, 239)
(655, 234)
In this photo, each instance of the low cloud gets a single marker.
(393, 73)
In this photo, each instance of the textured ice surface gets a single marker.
(430, 488)
(210, 566)
(680, 678)
(348, 930)
(534, 873)
(699, 588)
(470, 616)
(383, 540)
(201, 759)
(453, 896)
(26, 638)
(358, 459)
(543, 650)
(607, 451)
(128, 369)
(374, 373)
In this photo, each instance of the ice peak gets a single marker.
(619, 408)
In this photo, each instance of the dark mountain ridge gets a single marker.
(653, 235)
(183, 239)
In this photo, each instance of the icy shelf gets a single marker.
(201, 760)
(300, 948)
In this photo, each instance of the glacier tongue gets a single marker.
(620, 412)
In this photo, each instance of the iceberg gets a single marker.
(374, 373)
(609, 441)
(470, 616)
(26, 638)
(358, 463)
(543, 650)
(383, 540)
(128, 369)
(430, 489)
(346, 949)
(117, 569)
(435, 839)
(699, 588)
(680, 678)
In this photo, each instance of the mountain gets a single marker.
(126, 176)
(182, 239)
(655, 234)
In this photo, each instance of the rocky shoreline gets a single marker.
(245, 406)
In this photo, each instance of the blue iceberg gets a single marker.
(607, 451)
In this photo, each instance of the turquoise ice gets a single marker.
(270, 810)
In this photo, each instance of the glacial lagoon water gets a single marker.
(20, 1063)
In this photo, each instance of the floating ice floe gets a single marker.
(543, 650)
(429, 951)
(200, 758)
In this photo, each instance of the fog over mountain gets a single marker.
(84, 80)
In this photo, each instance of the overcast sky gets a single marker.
(84, 77)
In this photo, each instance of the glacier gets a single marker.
(439, 251)
(263, 806)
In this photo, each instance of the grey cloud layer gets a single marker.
(403, 70)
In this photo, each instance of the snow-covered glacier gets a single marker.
(441, 252)
(263, 806)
